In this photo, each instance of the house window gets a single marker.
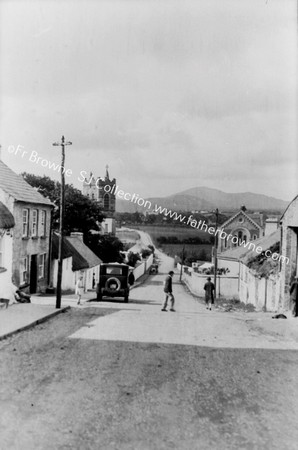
(43, 217)
(240, 220)
(41, 265)
(240, 235)
(25, 222)
(24, 270)
(34, 223)
(255, 237)
(106, 201)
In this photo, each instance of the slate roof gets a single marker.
(6, 218)
(255, 218)
(82, 256)
(244, 253)
(18, 188)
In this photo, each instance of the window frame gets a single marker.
(41, 265)
(34, 223)
(43, 221)
(25, 232)
(24, 270)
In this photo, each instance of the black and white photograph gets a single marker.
(148, 225)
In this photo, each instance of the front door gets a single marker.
(33, 274)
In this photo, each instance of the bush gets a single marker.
(145, 253)
(133, 258)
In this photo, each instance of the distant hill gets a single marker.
(203, 198)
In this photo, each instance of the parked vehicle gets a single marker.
(153, 269)
(113, 281)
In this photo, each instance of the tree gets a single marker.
(106, 247)
(133, 258)
(81, 213)
(146, 252)
(203, 255)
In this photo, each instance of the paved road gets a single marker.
(128, 376)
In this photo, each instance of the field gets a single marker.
(181, 233)
(176, 249)
(170, 230)
(127, 236)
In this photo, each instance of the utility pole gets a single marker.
(182, 262)
(62, 201)
(215, 252)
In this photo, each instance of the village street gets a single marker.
(111, 375)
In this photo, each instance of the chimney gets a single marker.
(77, 234)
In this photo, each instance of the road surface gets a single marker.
(111, 375)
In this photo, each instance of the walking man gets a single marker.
(209, 293)
(168, 292)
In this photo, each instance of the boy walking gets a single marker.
(168, 292)
(209, 293)
(79, 289)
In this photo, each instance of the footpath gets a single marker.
(21, 316)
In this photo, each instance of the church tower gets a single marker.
(101, 190)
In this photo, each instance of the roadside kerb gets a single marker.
(35, 322)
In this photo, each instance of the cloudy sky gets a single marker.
(171, 94)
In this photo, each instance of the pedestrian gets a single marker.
(209, 293)
(131, 278)
(294, 297)
(168, 292)
(79, 289)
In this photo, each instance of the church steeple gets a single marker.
(107, 172)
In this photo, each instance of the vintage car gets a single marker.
(113, 281)
(153, 269)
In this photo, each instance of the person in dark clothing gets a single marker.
(131, 278)
(209, 293)
(168, 292)
(294, 297)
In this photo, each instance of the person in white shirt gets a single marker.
(79, 289)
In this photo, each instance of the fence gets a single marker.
(143, 267)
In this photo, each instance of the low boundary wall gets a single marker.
(227, 286)
(143, 267)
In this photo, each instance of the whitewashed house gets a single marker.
(78, 260)
(7, 224)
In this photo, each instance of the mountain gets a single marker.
(203, 198)
(224, 200)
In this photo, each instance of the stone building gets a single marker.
(244, 226)
(102, 191)
(31, 233)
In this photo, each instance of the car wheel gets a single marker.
(113, 285)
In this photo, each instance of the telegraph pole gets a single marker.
(182, 262)
(215, 252)
(62, 202)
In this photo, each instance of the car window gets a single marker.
(114, 270)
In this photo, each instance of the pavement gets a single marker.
(21, 316)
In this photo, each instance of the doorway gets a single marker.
(33, 274)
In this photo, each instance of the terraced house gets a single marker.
(31, 233)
